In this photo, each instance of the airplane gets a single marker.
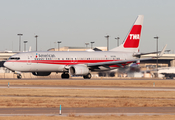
(166, 72)
(79, 63)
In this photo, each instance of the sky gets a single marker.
(76, 22)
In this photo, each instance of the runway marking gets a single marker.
(91, 114)
(92, 88)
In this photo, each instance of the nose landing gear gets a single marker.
(19, 76)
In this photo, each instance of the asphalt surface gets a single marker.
(88, 111)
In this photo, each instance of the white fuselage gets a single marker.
(56, 61)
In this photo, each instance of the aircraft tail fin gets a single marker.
(131, 42)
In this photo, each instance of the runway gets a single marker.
(88, 111)
(91, 87)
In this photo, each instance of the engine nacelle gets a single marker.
(78, 70)
(134, 67)
(41, 73)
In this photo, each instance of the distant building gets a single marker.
(3, 57)
(66, 48)
(166, 60)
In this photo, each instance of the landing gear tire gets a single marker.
(88, 76)
(19, 76)
(65, 76)
(171, 77)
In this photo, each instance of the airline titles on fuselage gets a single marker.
(53, 57)
(44, 56)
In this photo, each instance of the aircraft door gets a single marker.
(29, 59)
(74, 59)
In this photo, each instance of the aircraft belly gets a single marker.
(35, 67)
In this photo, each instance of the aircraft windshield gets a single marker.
(14, 58)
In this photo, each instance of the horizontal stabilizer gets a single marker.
(161, 52)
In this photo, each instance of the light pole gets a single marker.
(107, 36)
(59, 45)
(25, 42)
(157, 53)
(117, 38)
(19, 41)
(86, 44)
(36, 41)
(92, 45)
(55, 46)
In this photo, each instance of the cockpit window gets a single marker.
(14, 58)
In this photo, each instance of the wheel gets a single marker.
(19, 76)
(65, 76)
(84, 77)
(88, 76)
(171, 77)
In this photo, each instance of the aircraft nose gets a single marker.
(6, 64)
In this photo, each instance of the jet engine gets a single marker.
(78, 70)
(41, 73)
(134, 67)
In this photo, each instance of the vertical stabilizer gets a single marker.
(131, 43)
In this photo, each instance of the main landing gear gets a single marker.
(88, 76)
(19, 76)
(65, 76)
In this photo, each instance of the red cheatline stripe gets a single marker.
(65, 62)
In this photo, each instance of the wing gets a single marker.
(118, 63)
